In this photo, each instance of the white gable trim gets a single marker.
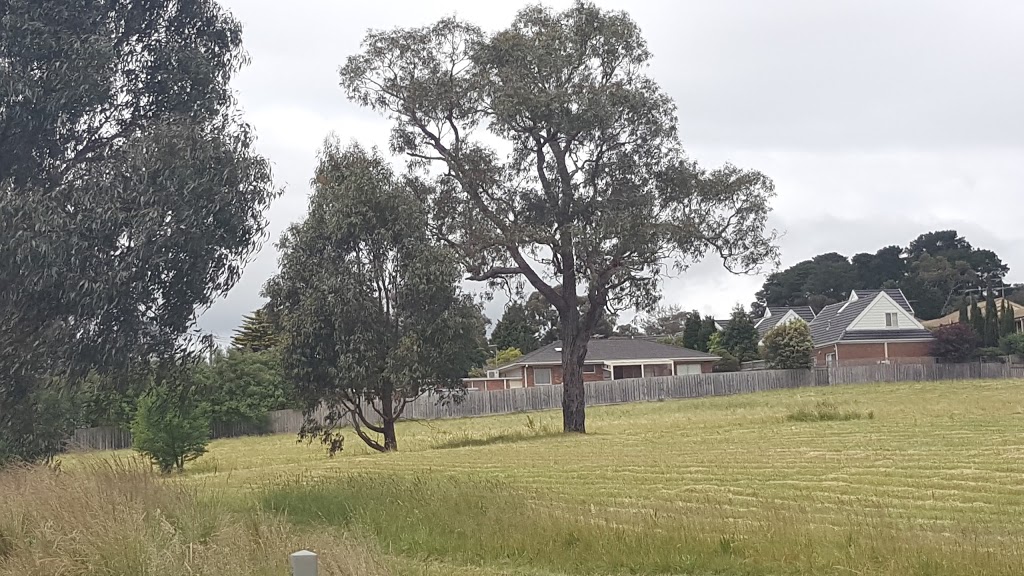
(787, 317)
(911, 322)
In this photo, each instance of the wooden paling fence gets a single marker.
(609, 392)
(898, 372)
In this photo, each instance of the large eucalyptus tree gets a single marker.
(130, 191)
(548, 154)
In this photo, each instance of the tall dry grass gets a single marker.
(493, 525)
(117, 518)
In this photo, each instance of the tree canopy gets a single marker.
(546, 154)
(131, 195)
(954, 343)
(788, 346)
(740, 337)
(933, 271)
(665, 321)
(516, 328)
(370, 307)
(256, 334)
(500, 358)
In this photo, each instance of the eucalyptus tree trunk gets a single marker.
(388, 418)
(574, 402)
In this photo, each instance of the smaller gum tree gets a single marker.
(370, 308)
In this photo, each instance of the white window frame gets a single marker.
(536, 380)
(892, 320)
(590, 368)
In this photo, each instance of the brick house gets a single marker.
(607, 359)
(872, 326)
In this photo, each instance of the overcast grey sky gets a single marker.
(877, 120)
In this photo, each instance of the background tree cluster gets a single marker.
(933, 271)
(675, 326)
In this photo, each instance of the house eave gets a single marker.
(630, 362)
(875, 341)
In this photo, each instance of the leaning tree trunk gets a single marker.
(574, 403)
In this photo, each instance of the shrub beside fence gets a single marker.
(609, 392)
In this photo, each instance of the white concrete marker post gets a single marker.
(303, 563)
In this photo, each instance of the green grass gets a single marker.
(827, 411)
(930, 485)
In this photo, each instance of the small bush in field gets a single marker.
(169, 431)
(827, 411)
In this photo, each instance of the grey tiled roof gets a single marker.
(765, 325)
(830, 325)
(611, 349)
(894, 293)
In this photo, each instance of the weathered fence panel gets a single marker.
(897, 372)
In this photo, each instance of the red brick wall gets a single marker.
(909, 349)
(850, 353)
(495, 385)
(858, 352)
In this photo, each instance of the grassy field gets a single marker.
(909, 479)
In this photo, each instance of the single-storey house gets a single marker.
(779, 315)
(872, 326)
(607, 359)
(953, 318)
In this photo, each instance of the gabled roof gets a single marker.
(832, 324)
(777, 313)
(894, 293)
(805, 312)
(615, 349)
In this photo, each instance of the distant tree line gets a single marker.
(933, 271)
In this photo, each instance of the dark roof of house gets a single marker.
(894, 293)
(612, 349)
(765, 325)
(830, 325)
